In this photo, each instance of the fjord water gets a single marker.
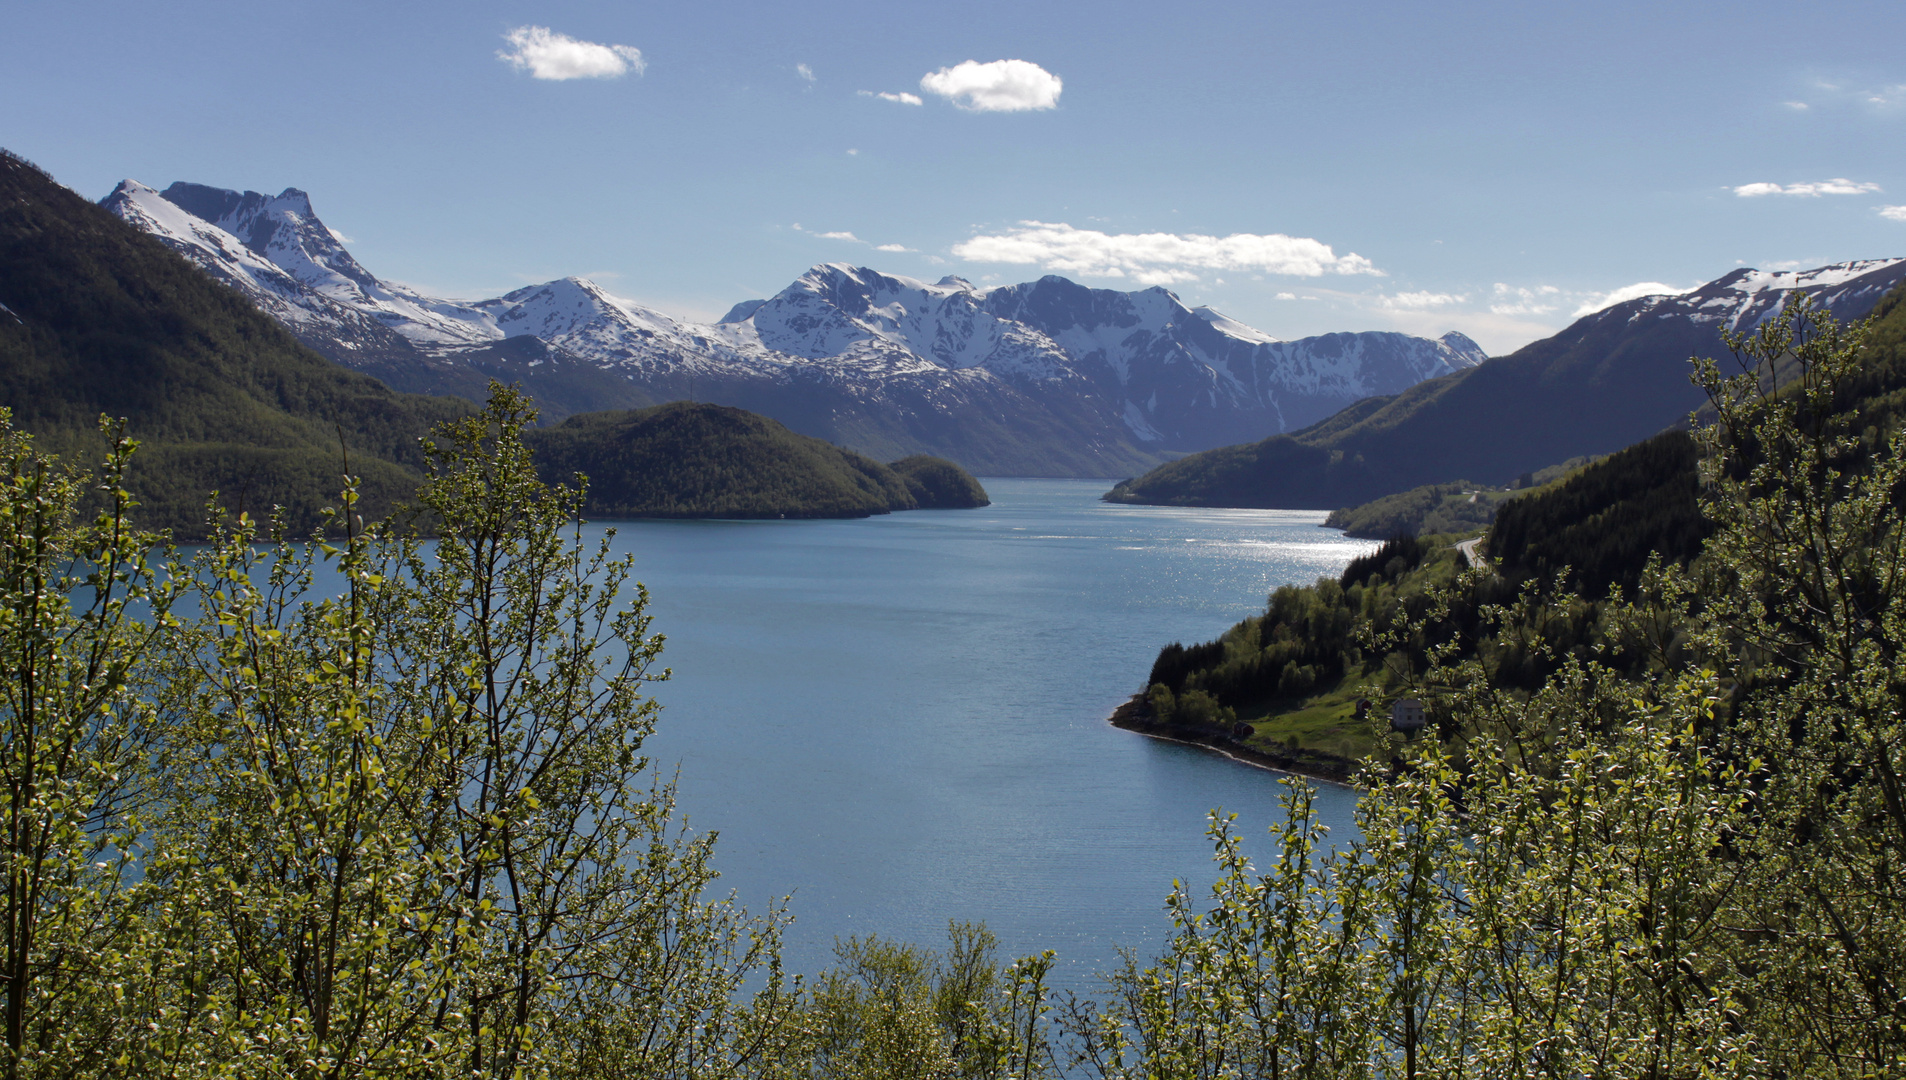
(902, 719)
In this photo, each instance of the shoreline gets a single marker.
(1135, 716)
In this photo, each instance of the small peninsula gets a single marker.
(1282, 689)
(692, 460)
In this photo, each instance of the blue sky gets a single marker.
(1491, 168)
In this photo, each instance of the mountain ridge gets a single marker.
(1610, 379)
(1076, 381)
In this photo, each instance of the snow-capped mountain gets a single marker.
(1042, 377)
(285, 231)
(1742, 299)
(1172, 370)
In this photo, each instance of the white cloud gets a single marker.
(901, 98)
(999, 86)
(805, 72)
(1626, 293)
(1158, 258)
(1877, 99)
(1836, 186)
(1797, 106)
(1516, 300)
(841, 234)
(546, 54)
(1893, 213)
(1422, 300)
(1287, 296)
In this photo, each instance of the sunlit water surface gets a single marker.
(902, 720)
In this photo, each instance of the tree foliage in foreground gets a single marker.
(1688, 871)
(374, 806)
(401, 830)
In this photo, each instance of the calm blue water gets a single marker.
(902, 719)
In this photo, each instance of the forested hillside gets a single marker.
(100, 318)
(1293, 674)
(1599, 528)
(684, 460)
(938, 484)
(1456, 507)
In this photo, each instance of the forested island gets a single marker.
(688, 460)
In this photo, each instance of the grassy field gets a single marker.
(1324, 723)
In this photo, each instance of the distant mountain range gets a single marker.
(1609, 380)
(98, 317)
(1042, 378)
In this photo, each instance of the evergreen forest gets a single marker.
(691, 460)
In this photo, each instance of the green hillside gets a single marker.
(100, 318)
(688, 460)
(1456, 507)
(938, 484)
(1292, 675)
(1603, 523)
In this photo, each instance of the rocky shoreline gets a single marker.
(1136, 715)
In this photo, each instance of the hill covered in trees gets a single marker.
(100, 318)
(1455, 507)
(688, 460)
(939, 484)
(1284, 684)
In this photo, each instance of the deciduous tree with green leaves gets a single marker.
(408, 822)
(79, 609)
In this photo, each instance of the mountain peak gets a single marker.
(216, 205)
(128, 188)
(1467, 352)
